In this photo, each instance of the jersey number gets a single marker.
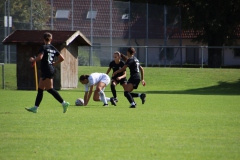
(137, 63)
(50, 58)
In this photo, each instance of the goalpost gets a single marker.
(3, 77)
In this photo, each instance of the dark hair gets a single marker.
(131, 50)
(47, 36)
(124, 57)
(83, 77)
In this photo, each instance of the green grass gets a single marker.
(189, 114)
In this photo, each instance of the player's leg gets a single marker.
(38, 97)
(48, 83)
(131, 84)
(96, 96)
(141, 95)
(40, 93)
(135, 83)
(49, 87)
(128, 89)
(113, 88)
(99, 89)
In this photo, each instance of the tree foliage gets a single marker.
(20, 10)
(217, 22)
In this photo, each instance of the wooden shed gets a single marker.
(28, 43)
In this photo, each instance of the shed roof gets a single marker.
(36, 36)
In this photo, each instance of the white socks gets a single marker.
(102, 97)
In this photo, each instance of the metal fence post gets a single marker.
(3, 80)
(202, 55)
(146, 55)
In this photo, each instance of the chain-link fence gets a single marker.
(166, 56)
(154, 30)
(104, 22)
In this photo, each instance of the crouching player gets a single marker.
(100, 80)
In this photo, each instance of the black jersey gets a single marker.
(133, 65)
(49, 52)
(116, 67)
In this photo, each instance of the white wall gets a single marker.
(151, 55)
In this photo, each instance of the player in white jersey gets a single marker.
(100, 80)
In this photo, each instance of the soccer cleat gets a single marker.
(113, 101)
(143, 98)
(132, 106)
(33, 109)
(105, 105)
(65, 107)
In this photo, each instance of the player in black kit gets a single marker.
(134, 66)
(115, 65)
(46, 55)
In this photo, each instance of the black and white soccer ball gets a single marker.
(79, 102)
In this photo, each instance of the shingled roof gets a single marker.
(36, 36)
(101, 25)
(120, 28)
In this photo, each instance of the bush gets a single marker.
(83, 58)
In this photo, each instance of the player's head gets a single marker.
(130, 51)
(84, 79)
(116, 56)
(47, 37)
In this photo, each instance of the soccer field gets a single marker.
(188, 114)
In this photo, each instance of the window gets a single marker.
(236, 52)
(192, 55)
(62, 14)
(125, 16)
(91, 15)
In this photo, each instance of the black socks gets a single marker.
(113, 89)
(128, 96)
(134, 94)
(55, 94)
(39, 97)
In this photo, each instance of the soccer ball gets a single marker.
(79, 102)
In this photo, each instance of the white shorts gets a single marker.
(105, 79)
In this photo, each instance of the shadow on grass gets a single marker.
(223, 88)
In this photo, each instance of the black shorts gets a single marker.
(121, 81)
(134, 81)
(47, 74)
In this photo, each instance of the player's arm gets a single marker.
(38, 58)
(123, 76)
(109, 69)
(142, 75)
(85, 98)
(60, 59)
(88, 96)
(120, 70)
(124, 58)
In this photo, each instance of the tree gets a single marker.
(20, 10)
(216, 21)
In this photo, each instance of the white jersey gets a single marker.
(95, 78)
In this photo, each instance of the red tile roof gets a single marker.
(120, 28)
